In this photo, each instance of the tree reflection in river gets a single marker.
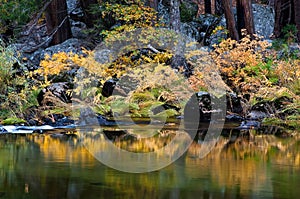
(59, 166)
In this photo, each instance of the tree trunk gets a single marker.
(152, 4)
(219, 8)
(230, 21)
(283, 15)
(57, 21)
(297, 17)
(207, 6)
(245, 17)
(175, 15)
(89, 18)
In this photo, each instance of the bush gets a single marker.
(245, 65)
(15, 13)
(288, 72)
(16, 93)
(122, 16)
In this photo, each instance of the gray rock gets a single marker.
(257, 115)
(191, 29)
(77, 14)
(207, 23)
(70, 45)
(294, 48)
(77, 29)
(59, 90)
(163, 13)
(264, 19)
(217, 37)
(72, 5)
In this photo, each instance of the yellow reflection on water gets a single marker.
(260, 164)
(62, 148)
(245, 162)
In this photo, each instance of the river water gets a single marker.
(60, 166)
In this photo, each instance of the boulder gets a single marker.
(70, 45)
(191, 29)
(202, 104)
(178, 62)
(109, 86)
(272, 102)
(72, 5)
(206, 104)
(264, 19)
(59, 90)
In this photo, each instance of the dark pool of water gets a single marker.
(60, 167)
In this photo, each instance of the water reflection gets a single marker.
(242, 165)
(134, 153)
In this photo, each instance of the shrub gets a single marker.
(245, 65)
(16, 92)
(121, 16)
(288, 72)
(15, 13)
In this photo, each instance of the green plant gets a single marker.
(15, 89)
(290, 33)
(187, 12)
(15, 13)
(282, 44)
(13, 120)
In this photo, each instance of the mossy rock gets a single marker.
(13, 120)
(272, 94)
(291, 122)
(122, 108)
(169, 113)
(138, 97)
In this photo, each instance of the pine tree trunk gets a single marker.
(297, 17)
(283, 15)
(57, 21)
(219, 8)
(175, 15)
(230, 21)
(207, 6)
(245, 17)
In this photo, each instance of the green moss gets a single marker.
(272, 94)
(272, 121)
(13, 120)
(147, 106)
(291, 122)
(295, 86)
(156, 92)
(169, 113)
(57, 110)
(138, 97)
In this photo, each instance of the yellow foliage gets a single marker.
(288, 70)
(241, 62)
(132, 15)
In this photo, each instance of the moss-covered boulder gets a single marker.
(276, 106)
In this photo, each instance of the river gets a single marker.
(61, 166)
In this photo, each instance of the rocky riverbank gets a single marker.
(259, 87)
